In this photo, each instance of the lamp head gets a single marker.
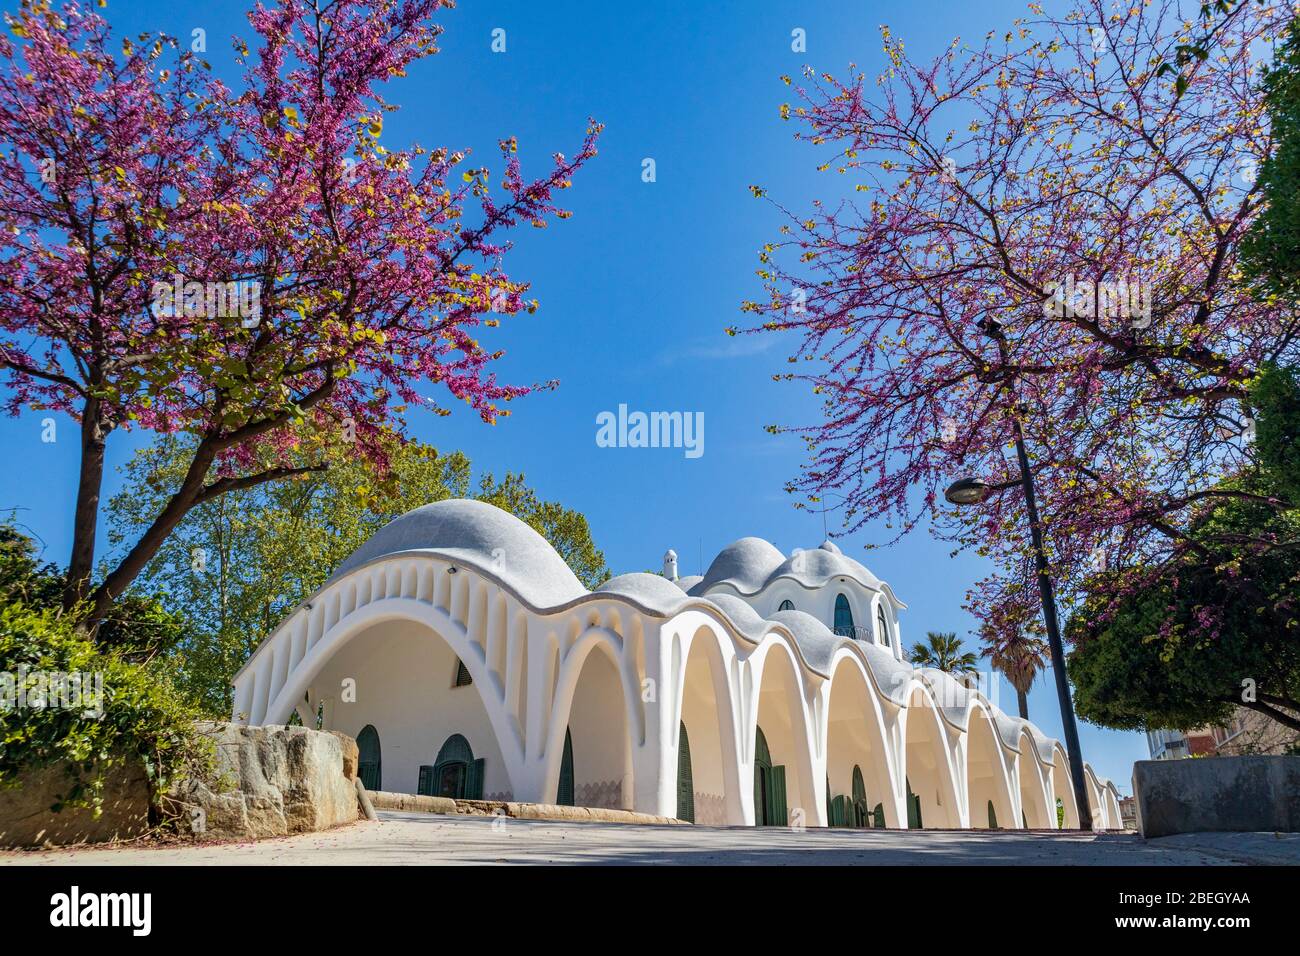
(966, 491)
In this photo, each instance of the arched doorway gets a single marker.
(781, 715)
(564, 792)
(706, 715)
(602, 750)
(402, 671)
(987, 774)
(456, 773)
(685, 781)
(855, 746)
(769, 786)
(370, 758)
(928, 767)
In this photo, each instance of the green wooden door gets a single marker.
(993, 817)
(913, 809)
(762, 766)
(564, 792)
(369, 758)
(685, 781)
(859, 813)
(456, 774)
(776, 813)
(879, 815)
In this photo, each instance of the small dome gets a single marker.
(649, 590)
(830, 546)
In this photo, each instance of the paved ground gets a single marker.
(413, 838)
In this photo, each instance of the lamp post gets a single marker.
(970, 491)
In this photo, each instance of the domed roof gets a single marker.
(485, 537)
(744, 564)
(689, 581)
(751, 564)
(649, 590)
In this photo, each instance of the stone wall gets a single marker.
(1251, 794)
(272, 781)
(26, 817)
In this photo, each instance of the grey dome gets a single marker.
(751, 564)
(649, 590)
(490, 540)
(689, 581)
(744, 564)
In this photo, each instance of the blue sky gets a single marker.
(636, 289)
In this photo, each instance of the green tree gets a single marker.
(138, 627)
(235, 566)
(1270, 252)
(1218, 628)
(943, 652)
(1020, 662)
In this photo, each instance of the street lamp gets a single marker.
(972, 491)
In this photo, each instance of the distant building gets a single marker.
(1128, 813)
(1249, 732)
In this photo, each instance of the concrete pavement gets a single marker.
(421, 838)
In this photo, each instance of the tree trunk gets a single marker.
(120, 578)
(85, 522)
(1022, 699)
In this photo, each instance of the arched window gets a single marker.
(369, 758)
(786, 605)
(882, 625)
(455, 774)
(843, 617)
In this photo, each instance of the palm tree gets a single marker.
(1019, 660)
(944, 653)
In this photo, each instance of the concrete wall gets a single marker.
(1250, 794)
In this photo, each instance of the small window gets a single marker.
(462, 675)
(786, 605)
(882, 625)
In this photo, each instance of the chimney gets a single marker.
(670, 565)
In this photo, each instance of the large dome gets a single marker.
(484, 537)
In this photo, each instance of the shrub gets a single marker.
(125, 713)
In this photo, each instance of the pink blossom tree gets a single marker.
(1047, 182)
(140, 197)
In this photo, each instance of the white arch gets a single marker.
(879, 763)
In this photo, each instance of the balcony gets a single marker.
(854, 631)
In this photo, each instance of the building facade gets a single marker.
(468, 660)
(1248, 732)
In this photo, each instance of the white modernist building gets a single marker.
(467, 659)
